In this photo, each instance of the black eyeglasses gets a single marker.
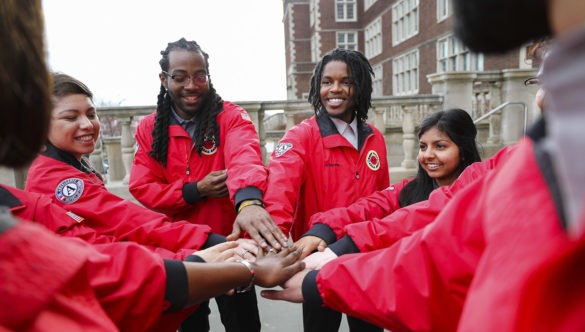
(182, 78)
(532, 81)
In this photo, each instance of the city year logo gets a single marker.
(372, 160)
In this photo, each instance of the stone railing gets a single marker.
(396, 117)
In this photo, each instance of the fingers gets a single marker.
(235, 233)
(291, 295)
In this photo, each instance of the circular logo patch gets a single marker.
(69, 190)
(373, 160)
(209, 146)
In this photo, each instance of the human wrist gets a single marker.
(249, 202)
(250, 268)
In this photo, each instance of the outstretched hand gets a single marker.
(316, 260)
(256, 221)
(308, 244)
(274, 269)
(291, 290)
(218, 253)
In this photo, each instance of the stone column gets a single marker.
(513, 90)
(455, 87)
(127, 146)
(13, 177)
(95, 158)
(114, 152)
(408, 139)
(379, 119)
(256, 113)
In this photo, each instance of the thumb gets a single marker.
(235, 233)
(322, 246)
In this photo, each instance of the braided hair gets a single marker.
(360, 73)
(206, 117)
(459, 126)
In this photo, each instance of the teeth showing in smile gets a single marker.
(86, 138)
(335, 101)
(432, 166)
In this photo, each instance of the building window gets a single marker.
(405, 74)
(443, 9)
(404, 20)
(368, 4)
(315, 56)
(345, 10)
(452, 55)
(373, 35)
(347, 40)
(377, 81)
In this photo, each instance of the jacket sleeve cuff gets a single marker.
(343, 246)
(177, 287)
(245, 194)
(213, 239)
(310, 290)
(194, 258)
(322, 231)
(190, 193)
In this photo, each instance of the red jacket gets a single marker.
(161, 188)
(466, 270)
(130, 283)
(54, 171)
(44, 284)
(382, 231)
(314, 169)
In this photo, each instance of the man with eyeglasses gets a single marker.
(199, 159)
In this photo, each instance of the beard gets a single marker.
(498, 26)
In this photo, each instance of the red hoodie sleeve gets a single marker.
(286, 175)
(247, 174)
(418, 284)
(383, 232)
(377, 205)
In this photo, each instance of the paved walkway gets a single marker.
(276, 316)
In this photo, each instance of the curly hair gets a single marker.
(206, 117)
(360, 73)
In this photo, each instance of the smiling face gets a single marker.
(439, 156)
(337, 91)
(75, 126)
(188, 96)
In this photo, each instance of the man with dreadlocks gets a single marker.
(199, 159)
(329, 160)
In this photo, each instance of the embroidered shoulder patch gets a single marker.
(245, 116)
(372, 160)
(69, 190)
(282, 148)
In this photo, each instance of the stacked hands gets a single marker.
(285, 267)
(271, 267)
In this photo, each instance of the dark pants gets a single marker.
(319, 319)
(238, 313)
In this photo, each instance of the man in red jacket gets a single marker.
(468, 269)
(329, 160)
(199, 160)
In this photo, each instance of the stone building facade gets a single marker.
(405, 41)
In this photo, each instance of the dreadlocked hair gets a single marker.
(360, 73)
(206, 117)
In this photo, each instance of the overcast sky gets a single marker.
(114, 45)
